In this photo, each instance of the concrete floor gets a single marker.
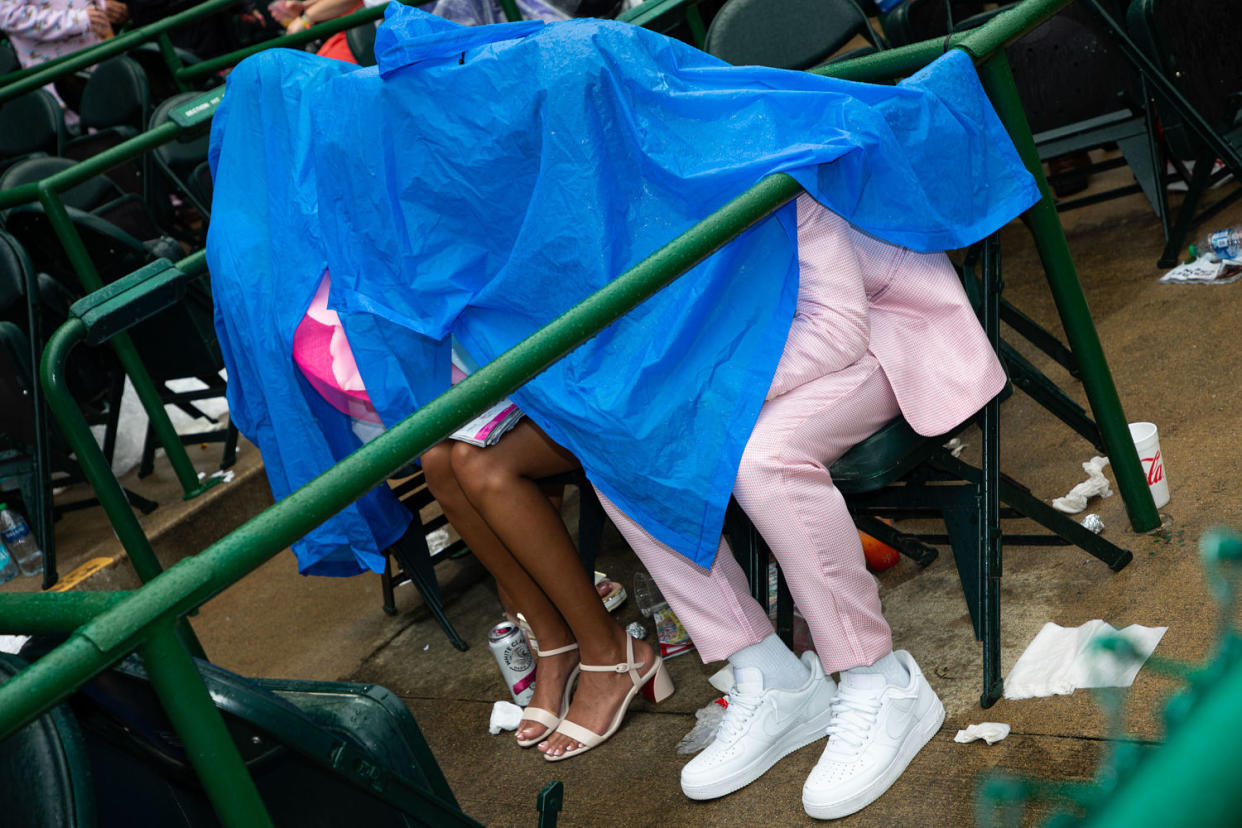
(1171, 355)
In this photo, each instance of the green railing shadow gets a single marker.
(103, 631)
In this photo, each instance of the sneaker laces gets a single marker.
(854, 715)
(737, 715)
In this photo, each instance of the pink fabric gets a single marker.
(878, 330)
(322, 352)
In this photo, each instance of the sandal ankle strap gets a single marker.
(628, 666)
(557, 651)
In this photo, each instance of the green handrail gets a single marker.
(142, 619)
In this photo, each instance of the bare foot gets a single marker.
(553, 672)
(599, 695)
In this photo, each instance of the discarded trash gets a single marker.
(13, 643)
(1093, 523)
(438, 541)
(1221, 245)
(722, 679)
(1062, 659)
(1095, 485)
(612, 594)
(513, 657)
(706, 723)
(1203, 271)
(636, 630)
(1146, 439)
(673, 638)
(426, 647)
(956, 446)
(505, 716)
(990, 732)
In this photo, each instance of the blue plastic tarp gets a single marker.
(480, 181)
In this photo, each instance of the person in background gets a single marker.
(44, 29)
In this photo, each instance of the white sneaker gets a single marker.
(875, 730)
(760, 727)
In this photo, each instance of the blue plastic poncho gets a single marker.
(480, 181)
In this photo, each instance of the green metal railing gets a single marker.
(186, 120)
(103, 630)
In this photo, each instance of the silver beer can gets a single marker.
(513, 655)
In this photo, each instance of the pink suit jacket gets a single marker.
(922, 328)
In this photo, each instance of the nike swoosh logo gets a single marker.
(776, 725)
(900, 717)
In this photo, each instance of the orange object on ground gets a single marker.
(880, 556)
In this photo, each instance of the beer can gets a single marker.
(517, 664)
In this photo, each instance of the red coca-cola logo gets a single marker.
(1155, 469)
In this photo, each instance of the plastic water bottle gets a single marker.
(20, 543)
(1223, 244)
(8, 569)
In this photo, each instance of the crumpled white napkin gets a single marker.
(990, 732)
(1060, 660)
(505, 716)
(1095, 484)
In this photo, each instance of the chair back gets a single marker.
(31, 123)
(8, 58)
(361, 41)
(116, 94)
(1067, 71)
(183, 155)
(790, 34)
(160, 81)
(85, 196)
(46, 768)
(917, 20)
(1195, 43)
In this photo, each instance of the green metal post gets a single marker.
(1071, 304)
(144, 386)
(169, 52)
(511, 10)
(197, 722)
(93, 463)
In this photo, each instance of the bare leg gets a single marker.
(499, 482)
(516, 586)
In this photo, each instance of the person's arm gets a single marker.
(34, 21)
(319, 11)
(831, 328)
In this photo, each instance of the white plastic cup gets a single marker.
(1147, 441)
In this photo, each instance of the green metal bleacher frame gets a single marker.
(105, 627)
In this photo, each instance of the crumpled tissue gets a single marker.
(1095, 484)
(505, 716)
(990, 732)
(1061, 659)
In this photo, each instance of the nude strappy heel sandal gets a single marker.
(655, 684)
(546, 717)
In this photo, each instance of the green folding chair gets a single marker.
(1194, 43)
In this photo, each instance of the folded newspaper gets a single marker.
(487, 428)
(1204, 270)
